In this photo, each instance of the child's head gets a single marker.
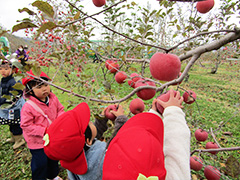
(6, 68)
(37, 87)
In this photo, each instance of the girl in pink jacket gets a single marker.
(37, 114)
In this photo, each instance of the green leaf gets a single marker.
(23, 25)
(77, 15)
(26, 10)
(14, 93)
(44, 7)
(18, 86)
(49, 25)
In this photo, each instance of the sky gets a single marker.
(9, 11)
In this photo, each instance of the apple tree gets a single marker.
(127, 50)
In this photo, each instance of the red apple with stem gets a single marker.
(147, 93)
(205, 6)
(212, 173)
(164, 97)
(196, 163)
(135, 77)
(189, 97)
(201, 135)
(120, 77)
(165, 67)
(212, 145)
(108, 114)
(136, 106)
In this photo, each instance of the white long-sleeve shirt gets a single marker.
(176, 143)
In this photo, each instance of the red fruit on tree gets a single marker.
(113, 67)
(212, 173)
(189, 97)
(212, 145)
(201, 135)
(107, 62)
(110, 115)
(196, 163)
(120, 77)
(145, 94)
(164, 97)
(165, 67)
(135, 77)
(136, 106)
(99, 3)
(205, 6)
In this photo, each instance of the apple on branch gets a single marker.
(205, 6)
(165, 67)
(113, 67)
(201, 135)
(212, 145)
(135, 77)
(107, 62)
(120, 77)
(136, 106)
(196, 163)
(189, 97)
(108, 114)
(99, 3)
(147, 93)
(212, 173)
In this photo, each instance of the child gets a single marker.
(147, 147)
(123, 159)
(42, 108)
(11, 114)
(22, 54)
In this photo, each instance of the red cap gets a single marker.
(136, 149)
(65, 139)
(29, 78)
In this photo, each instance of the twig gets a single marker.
(214, 138)
(215, 150)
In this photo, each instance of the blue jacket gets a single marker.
(95, 156)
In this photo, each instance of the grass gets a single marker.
(216, 108)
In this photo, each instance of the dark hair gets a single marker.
(34, 83)
(88, 133)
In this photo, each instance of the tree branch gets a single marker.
(215, 150)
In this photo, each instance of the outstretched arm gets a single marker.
(176, 139)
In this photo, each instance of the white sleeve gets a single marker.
(176, 144)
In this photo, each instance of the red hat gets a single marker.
(29, 78)
(65, 139)
(136, 150)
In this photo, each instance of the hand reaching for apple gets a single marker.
(119, 112)
(173, 101)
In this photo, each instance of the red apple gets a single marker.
(135, 77)
(212, 173)
(164, 97)
(165, 67)
(205, 6)
(212, 145)
(145, 94)
(108, 114)
(189, 97)
(107, 62)
(136, 106)
(120, 77)
(113, 67)
(201, 135)
(99, 3)
(196, 163)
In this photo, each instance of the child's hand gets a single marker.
(119, 112)
(154, 106)
(173, 100)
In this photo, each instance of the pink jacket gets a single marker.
(34, 124)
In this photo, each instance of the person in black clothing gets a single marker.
(6, 88)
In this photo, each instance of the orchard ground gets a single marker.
(217, 107)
